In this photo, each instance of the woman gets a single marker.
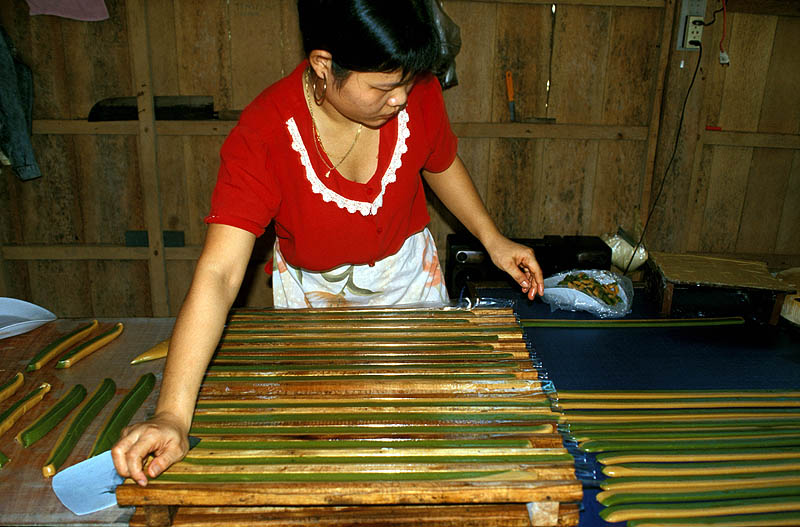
(332, 154)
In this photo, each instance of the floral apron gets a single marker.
(410, 276)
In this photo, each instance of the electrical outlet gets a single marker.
(689, 8)
(694, 31)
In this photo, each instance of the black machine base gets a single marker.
(468, 261)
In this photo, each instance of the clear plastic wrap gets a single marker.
(602, 293)
(622, 246)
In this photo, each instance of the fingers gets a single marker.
(129, 454)
(138, 442)
(527, 273)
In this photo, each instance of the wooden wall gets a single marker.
(587, 158)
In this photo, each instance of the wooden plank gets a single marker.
(788, 234)
(579, 64)
(765, 7)
(82, 127)
(510, 515)
(461, 129)
(780, 110)
(162, 33)
(697, 196)
(472, 99)
(148, 158)
(633, 54)
(65, 298)
(523, 47)
(753, 139)
(617, 189)
(762, 210)
(750, 47)
(291, 44)
(656, 105)
(74, 252)
(566, 164)
(349, 493)
(201, 162)
(115, 297)
(203, 49)
(730, 167)
(511, 185)
(253, 26)
(554, 131)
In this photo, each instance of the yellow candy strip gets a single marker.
(18, 409)
(159, 351)
(59, 345)
(89, 347)
(8, 388)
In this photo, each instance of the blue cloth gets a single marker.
(16, 108)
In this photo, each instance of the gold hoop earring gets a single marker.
(321, 98)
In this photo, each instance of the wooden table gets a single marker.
(27, 496)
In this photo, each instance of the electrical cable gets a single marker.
(713, 17)
(724, 24)
(672, 157)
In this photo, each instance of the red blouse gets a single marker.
(271, 170)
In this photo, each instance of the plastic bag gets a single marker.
(589, 294)
(450, 36)
(622, 249)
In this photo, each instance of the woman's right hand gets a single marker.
(163, 436)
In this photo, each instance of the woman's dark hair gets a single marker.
(372, 35)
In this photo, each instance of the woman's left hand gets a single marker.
(519, 262)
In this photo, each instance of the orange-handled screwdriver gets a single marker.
(510, 95)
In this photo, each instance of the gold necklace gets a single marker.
(318, 139)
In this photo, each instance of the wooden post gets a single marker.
(159, 515)
(139, 43)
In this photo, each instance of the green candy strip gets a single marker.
(646, 438)
(461, 330)
(268, 359)
(713, 444)
(123, 414)
(383, 416)
(366, 349)
(706, 508)
(384, 338)
(363, 443)
(318, 378)
(781, 519)
(688, 424)
(713, 495)
(72, 433)
(3, 460)
(376, 404)
(454, 366)
(55, 415)
(744, 454)
(321, 460)
(373, 430)
(615, 483)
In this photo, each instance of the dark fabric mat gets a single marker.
(749, 356)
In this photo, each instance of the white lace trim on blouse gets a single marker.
(352, 206)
